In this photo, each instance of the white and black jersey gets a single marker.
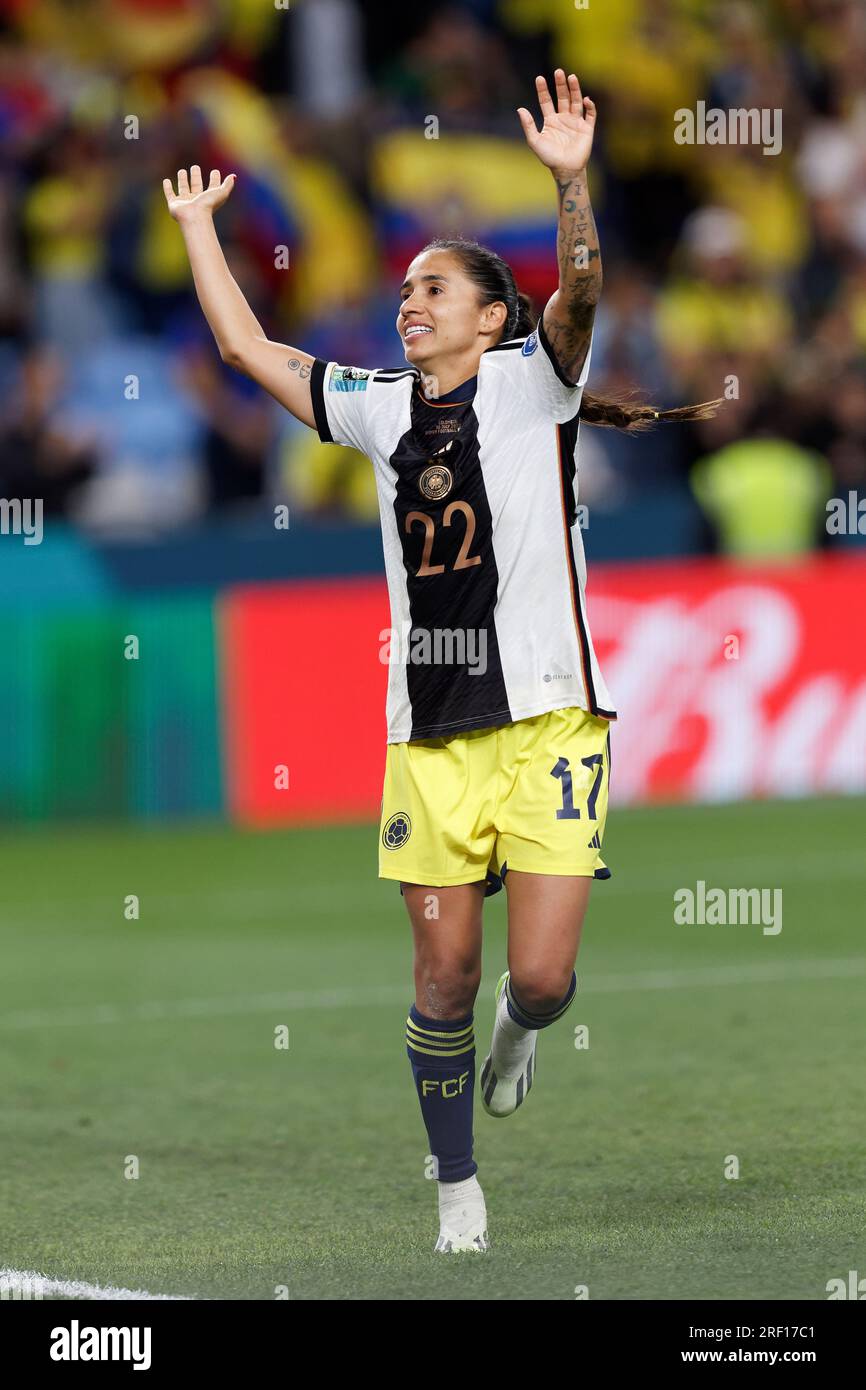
(483, 551)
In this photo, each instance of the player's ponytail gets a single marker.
(619, 412)
(495, 282)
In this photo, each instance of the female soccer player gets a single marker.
(498, 715)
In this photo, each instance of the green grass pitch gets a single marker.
(305, 1168)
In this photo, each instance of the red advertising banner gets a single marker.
(734, 682)
(730, 682)
(304, 700)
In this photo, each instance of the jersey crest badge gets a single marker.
(436, 482)
(530, 345)
(397, 831)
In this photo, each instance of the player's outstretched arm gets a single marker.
(281, 370)
(564, 145)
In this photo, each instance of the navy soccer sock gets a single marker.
(526, 1019)
(442, 1053)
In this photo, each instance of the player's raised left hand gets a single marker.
(565, 139)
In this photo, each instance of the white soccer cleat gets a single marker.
(462, 1217)
(509, 1068)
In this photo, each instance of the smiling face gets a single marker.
(441, 321)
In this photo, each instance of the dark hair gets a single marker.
(494, 280)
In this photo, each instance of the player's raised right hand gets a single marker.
(192, 198)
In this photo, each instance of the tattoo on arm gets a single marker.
(302, 368)
(568, 322)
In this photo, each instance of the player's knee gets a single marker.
(447, 989)
(541, 990)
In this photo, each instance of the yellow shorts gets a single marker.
(530, 796)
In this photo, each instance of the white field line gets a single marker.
(154, 1010)
(30, 1285)
(354, 997)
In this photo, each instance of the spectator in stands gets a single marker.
(40, 457)
(64, 216)
(765, 498)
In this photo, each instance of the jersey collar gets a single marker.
(464, 392)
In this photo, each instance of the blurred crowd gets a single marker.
(359, 131)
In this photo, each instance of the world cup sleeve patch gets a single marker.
(348, 379)
(397, 831)
(530, 345)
